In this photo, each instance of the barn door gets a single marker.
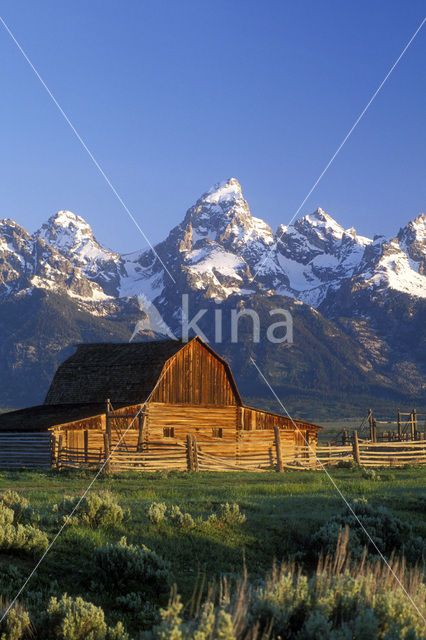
(75, 445)
(299, 437)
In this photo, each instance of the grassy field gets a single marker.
(282, 514)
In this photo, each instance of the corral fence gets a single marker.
(29, 450)
(251, 451)
(268, 453)
(402, 427)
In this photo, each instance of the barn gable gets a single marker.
(197, 375)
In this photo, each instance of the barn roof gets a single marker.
(126, 373)
(42, 417)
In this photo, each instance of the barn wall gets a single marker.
(254, 419)
(248, 448)
(204, 422)
(233, 433)
(195, 376)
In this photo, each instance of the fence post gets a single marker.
(86, 446)
(107, 419)
(107, 453)
(189, 457)
(412, 414)
(140, 434)
(277, 435)
(59, 455)
(345, 437)
(370, 419)
(107, 436)
(399, 426)
(195, 464)
(356, 448)
(374, 430)
(415, 424)
(52, 449)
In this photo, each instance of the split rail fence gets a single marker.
(407, 426)
(268, 451)
(252, 451)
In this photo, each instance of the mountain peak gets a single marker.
(412, 239)
(8, 223)
(223, 192)
(69, 220)
(414, 230)
(323, 223)
(65, 231)
(73, 237)
(418, 225)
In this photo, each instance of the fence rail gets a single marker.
(263, 455)
(268, 450)
(29, 450)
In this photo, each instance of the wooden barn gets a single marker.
(154, 405)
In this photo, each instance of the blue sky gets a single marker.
(172, 97)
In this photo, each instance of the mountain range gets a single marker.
(358, 303)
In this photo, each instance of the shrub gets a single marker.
(419, 504)
(370, 474)
(144, 611)
(227, 514)
(388, 532)
(415, 550)
(16, 625)
(348, 464)
(19, 505)
(156, 512)
(7, 516)
(126, 567)
(364, 602)
(181, 520)
(130, 602)
(25, 537)
(10, 580)
(209, 624)
(75, 619)
(95, 510)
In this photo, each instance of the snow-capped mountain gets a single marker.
(386, 265)
(28, 262)
(218, 250)
(73, 238)
(412, 240)
(372, 291)
(314, 255)
(211, 251)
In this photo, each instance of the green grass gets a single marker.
(282, 509)
(282, 512)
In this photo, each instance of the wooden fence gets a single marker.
(29, 450)
(268, 450)
(265, 453)
(407, 425)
